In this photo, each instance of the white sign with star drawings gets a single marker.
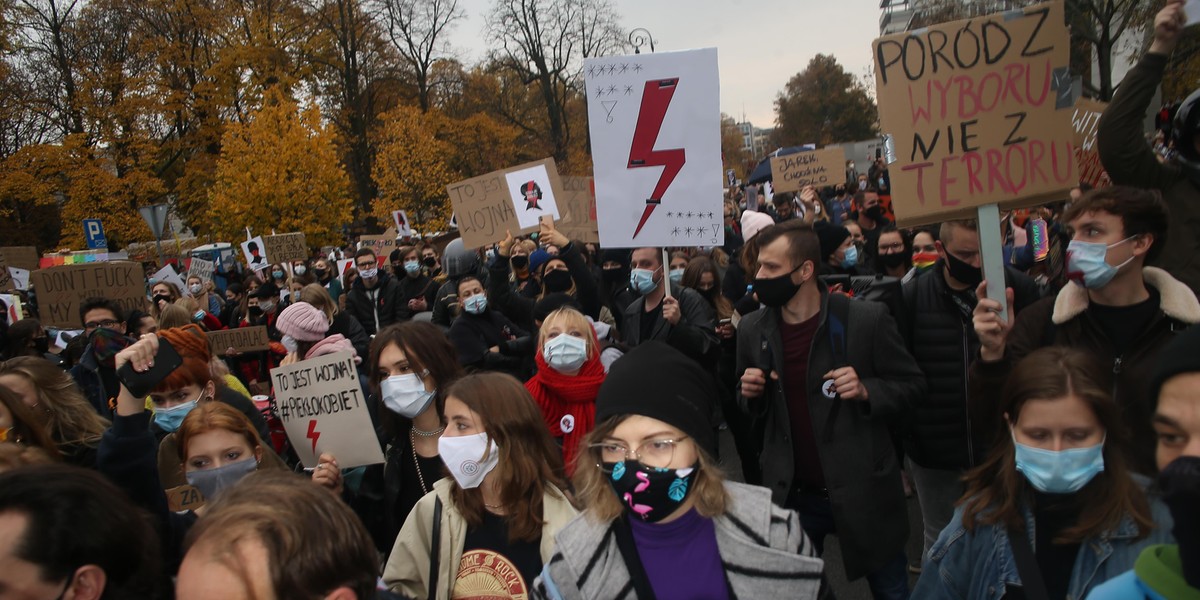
(655, 122)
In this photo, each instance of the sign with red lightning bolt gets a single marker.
(655, 127)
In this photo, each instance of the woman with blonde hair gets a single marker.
(569, 374)
(162, 295)
(490, 526)
(660, 518)
(73, 424)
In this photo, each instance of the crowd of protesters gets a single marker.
(560, 420)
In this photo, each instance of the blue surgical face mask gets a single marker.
(676, 276)
(565, 353)
(1059, 471)
(851, 257)
(412, 267)
(277, 274)
(475, 304)
(211, 482)
(642, 281)
(405, 394)
(169, 418)
(1086, 264)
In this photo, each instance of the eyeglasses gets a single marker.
(366, 265)
(106, 323)
(656, 454)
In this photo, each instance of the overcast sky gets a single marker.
(760, 43)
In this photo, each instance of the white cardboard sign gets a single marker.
(532, 195)
(20, 278)
(167, 274)
(324, 409)
(403, 228)
(255, 252)
(655, 122)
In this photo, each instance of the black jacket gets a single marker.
(352, 330)
(474, 335)
(520, 309)
(361, 306)
(862, 471)
(941, 337)
(695, 335)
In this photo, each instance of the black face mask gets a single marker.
(1180, 483)
(875, 213)
(41, 344)
(891, 261)
(162, 298)
(963, 272)
(776, 291)
(320, 273)
(613, 276)
(557, 281)
(255, 311)
(429, 261)
(520, 261)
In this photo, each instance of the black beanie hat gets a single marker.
(1181, 355)
(553, 302)
(655, 380)
(831, 236)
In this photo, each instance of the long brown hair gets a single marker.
(529, 460)
(996, 491)
(691, 279)
(70, 418)
(28, 428)
(425, 346)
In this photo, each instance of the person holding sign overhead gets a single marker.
(566, 273)
(682, 318)
(1115, 307)
(491, 526)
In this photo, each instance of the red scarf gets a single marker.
(561, 396)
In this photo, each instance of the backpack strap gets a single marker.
(435, 547)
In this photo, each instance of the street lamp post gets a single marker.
(641, 37)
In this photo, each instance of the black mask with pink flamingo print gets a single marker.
(648, 493)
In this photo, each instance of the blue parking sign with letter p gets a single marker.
(93, 231)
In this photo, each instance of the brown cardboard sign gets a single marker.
(578, 209)
(6, 280)
(61, 290)
(486, 209)
(818, 168)
(285, 247)
(978, 112)
(242, 339)
(184, 497)
(22, 257)
(381, 244)
(1086, 122)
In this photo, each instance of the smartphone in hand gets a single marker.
(140, 384)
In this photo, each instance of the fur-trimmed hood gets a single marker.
(1177, 300)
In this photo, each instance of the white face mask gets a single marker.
(464, 457)
(289, 343)
(195, 289)
(406, 395)
(300, 269)
(565, 353)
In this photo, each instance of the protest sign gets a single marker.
(818, 168)
(255, 252)
(487, 207)
(167, 274)
(20, 278)
(22, 257)
(381, 244)
(285, 247)
(655, 122)
(344, 265)
(577, 206)
(403, 229)
(1086, 122)
(11, 305)
(6, 278)
(977, 112)
(241, 339)
(323, 409)
(201, 268)
(61, 290)
(184, 497)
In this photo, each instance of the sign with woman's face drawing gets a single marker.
(532, 195)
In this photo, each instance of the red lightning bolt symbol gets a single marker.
(313, 434)
(655, 100)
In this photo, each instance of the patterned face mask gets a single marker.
(649, 493)
(107, 343)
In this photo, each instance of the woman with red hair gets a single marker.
(569, 374)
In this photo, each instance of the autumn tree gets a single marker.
(545, 42)
(824, 104)
(281, 171)
(417, 30)
(733, 152)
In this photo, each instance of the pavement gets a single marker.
(836, 575)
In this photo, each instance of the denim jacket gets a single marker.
(979, 564)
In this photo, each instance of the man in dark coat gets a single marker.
(375, 297)
(683, 319)
(822, 376)
(938, 309)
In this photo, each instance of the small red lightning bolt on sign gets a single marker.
(656, 98)
(313, 434)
